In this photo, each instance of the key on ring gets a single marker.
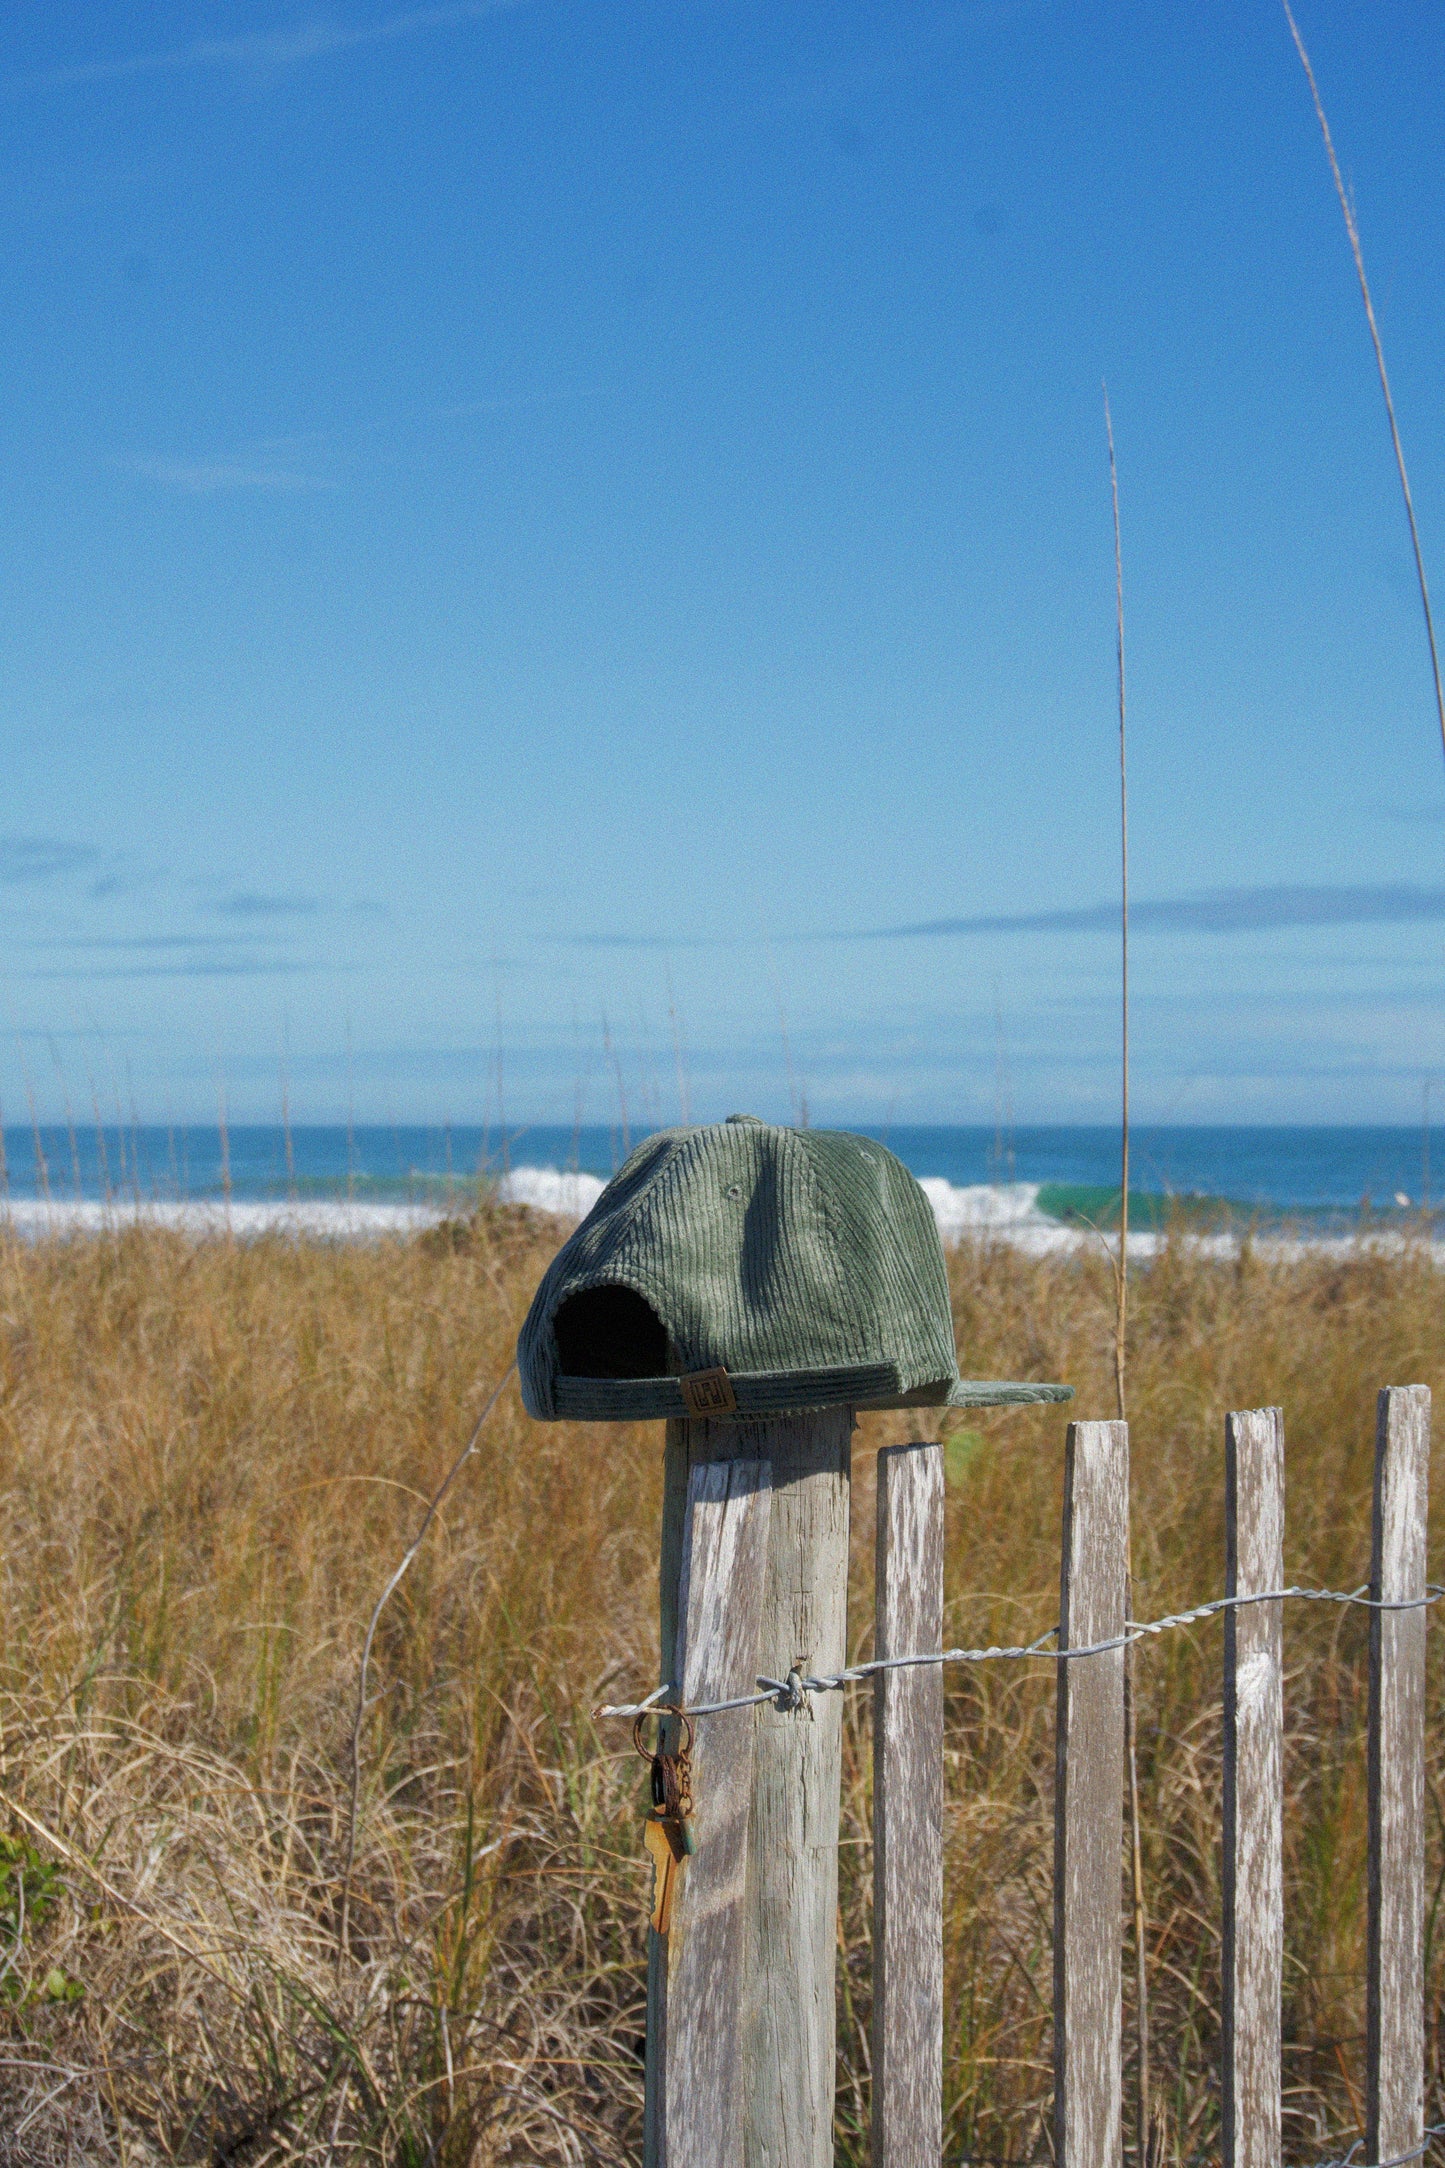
(668, 1834)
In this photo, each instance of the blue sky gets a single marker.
(564, 527)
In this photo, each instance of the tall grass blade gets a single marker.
(1352, 229)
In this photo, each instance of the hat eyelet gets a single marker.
(734, 1189)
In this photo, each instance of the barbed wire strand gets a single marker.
(791, 1693)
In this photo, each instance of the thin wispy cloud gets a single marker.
(49, 861)
(87, 943)
(288, 465)
(1216, 910)
(250, 903)
(645, 941)
(204, 477)
(195, 967)
(24, 859)
(317, 39)
(125, 880)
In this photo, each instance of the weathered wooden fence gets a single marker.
(740, 2025)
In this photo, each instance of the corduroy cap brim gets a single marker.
(764, 1393)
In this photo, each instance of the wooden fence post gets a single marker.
(695, 1973)
(789, 2038)
(1253, 1957)
(1395, 1991)
(908, 1814)
(1089, 1799)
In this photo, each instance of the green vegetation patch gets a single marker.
(960, 1448)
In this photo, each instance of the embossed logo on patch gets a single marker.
(709, 1392)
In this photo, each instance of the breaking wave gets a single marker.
(981, 1208)
(548, 1189)
(998, 1211)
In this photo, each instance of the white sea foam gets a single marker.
(321, 1219)
(1000, 1212)
(982, 1207)
(570, 1196)
(1008, 1212)
(315, 1219)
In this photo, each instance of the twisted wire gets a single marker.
(792, 1693)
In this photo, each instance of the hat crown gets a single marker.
(809, 1259)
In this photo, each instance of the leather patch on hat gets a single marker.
(709, 1392)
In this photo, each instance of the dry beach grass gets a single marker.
(211, 1456)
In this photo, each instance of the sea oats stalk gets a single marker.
(1352, 229)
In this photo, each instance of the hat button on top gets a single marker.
(747, 1121)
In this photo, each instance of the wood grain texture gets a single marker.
(695, 2012)
(790, 2055)
(1089, 1800)
(1395, 1990)
(1253, 1956)
(908, 1814)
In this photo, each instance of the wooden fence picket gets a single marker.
(1253, 1956)
(1395, 1988)
(1089, 1799)
(908, 1814)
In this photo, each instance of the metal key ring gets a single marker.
(661, 1709)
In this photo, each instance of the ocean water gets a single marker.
(1029, 1183)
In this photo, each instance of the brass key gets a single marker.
(667, 1834)
(657, 1838)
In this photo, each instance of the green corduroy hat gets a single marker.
(739, 1268)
